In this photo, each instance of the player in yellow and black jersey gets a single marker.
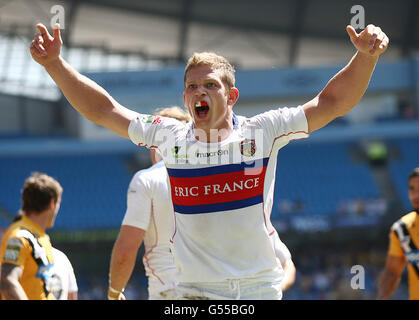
(403, 248)
(26, 254)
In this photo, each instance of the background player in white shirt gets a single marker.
(222, 242)
(63, 281)
(148, 218)
(284, 256)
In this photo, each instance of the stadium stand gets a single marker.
(320, 176)
(401, 167)
(94, 186)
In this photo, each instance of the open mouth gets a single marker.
(201, 109)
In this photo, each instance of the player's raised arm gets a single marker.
(348, 86)
(86, 96)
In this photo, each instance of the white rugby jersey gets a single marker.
(281, 250)
(63, 279)
(222, 193)
(149, 208)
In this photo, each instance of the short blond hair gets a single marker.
(175, 112)
(38, 191)
(214, 61)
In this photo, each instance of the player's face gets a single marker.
(54, 212)
(414, 192)
(208, 99)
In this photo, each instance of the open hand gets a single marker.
(371, 41)
(45, 48)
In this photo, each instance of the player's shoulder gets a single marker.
(155, 172)
(285, 113)
(157, 120)
(407, 220)
(19, 229)
(10, 230)
(59, 255)
(18, 235)
(57, 252)
(11, 233)
(157, 167)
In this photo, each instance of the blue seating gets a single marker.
(400, 168)
(94, 187)
(320, 175)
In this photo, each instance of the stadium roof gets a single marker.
(252, 34)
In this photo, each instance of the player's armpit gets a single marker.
(9, 282)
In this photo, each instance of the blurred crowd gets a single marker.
(323, 276)
(362, 207)
(332, 275)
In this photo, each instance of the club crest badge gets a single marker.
(248, 147)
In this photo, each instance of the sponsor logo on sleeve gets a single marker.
(150, 119)
(12, 251)
(156, 120)
(413, 256)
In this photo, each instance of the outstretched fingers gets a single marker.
(38, 38)
(38, 42)
(378, 41)
(44, 48)
(35, 49)
(57, 33)
(44, 32)
(352, 33)
(371, 35)
(372, 40)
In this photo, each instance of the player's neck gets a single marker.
(214, 134)
(41, 219)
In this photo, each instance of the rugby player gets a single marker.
(403, 248)
(221, 166)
